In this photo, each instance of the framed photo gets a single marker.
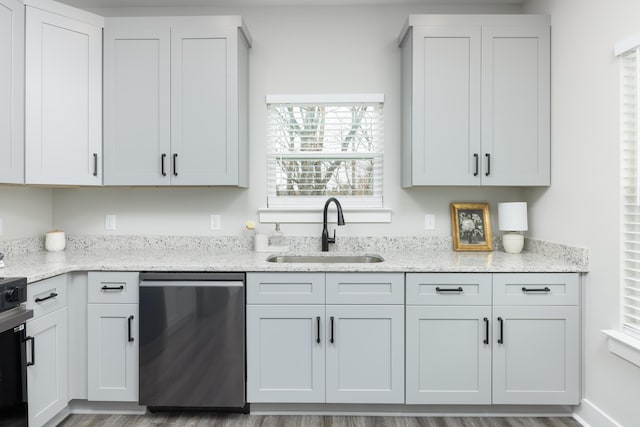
(471, 225)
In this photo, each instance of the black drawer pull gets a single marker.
(331, 340)
(95, 164)
(528, 290)
(501, 339)
(51, 295)
(318, 329)
(113, 288)
(33, 350)
(162, 171)
(457, 290)
(486, 331)
(129, 328)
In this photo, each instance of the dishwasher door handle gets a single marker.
(191, 284)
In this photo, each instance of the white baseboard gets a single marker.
(85, 407)
(590, 415)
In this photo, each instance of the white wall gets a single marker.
(581, 206)
(296, 50)
(25, 211)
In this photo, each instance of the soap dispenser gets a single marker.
(277, 238)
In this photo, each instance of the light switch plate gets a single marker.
(110, 222)
(216, 222)
(429, 222)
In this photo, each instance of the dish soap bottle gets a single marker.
(277, 238)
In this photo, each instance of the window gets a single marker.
(630, 192)
(324, 145)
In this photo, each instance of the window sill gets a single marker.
(314, 215)
(624, 346)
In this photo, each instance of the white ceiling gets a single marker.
(89, 4)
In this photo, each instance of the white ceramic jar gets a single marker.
(55, 241)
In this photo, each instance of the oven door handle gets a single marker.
(33, 350)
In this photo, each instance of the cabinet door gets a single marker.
(285, 354)
(11, 91)
(63, 110)
(204, 93)
(47, 377)
(137, 103)
(446, 111)
(448, 355)
(538, 358)
(365, 354)
(516, 105)
(112, 356)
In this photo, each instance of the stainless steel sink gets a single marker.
(329, 259)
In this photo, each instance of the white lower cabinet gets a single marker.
(285, 353)
(47, 374)
(300, 350)
(521, 349)
(365, 354)
(112, 355)
(537, 360)
(448, 355)
(112, 336)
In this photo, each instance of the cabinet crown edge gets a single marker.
(441, 20)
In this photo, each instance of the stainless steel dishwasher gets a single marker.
(192, 341)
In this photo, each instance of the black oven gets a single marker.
(13, 358)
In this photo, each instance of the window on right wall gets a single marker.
(629, 54)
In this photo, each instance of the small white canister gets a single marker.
(55, 241)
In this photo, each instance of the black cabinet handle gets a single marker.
(318, 329)
(501, 339)
(51, 295)
(331, 340)
(476, 157)
(129, 328)
(175, 165)
(457, 290)
(95, 164)
(488, 156)
(163, 156)
(486, 331)
(529, 290)
(33, 350)
(113, 288)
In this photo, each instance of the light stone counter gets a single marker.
(40, 265)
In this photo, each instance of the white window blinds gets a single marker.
(630, 168)
(321, 146)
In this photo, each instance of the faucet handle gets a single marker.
(332, 239)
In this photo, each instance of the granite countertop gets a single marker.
(41, 265)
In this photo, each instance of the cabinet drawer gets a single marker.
(536, 289)
(113, 287)
(47, 296)
(365, 288)
(285, 288)
(448, 289)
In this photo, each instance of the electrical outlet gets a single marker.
(215, 222)
(429, 222)
(110, 222)
(1, 227)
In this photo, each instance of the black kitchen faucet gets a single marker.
(325, 233)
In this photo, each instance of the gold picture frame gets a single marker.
(471, 226)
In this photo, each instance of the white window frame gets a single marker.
(625, 341)
(309, 209)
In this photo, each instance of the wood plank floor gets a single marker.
(237, 420)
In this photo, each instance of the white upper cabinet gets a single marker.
(476, 100)
(63, 89)
(176, 101)
(11, 91)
